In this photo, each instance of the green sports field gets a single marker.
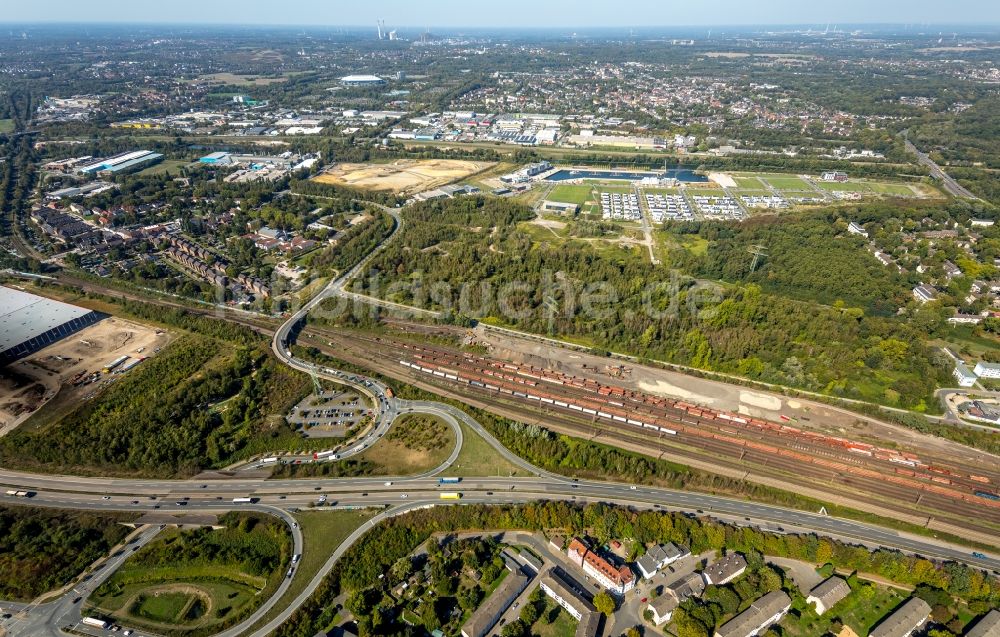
(786, 182)
(571, 193)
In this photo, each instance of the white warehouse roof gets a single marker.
(361, 78)
(24, 317)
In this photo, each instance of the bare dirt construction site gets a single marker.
(72, 369)
(405, 176)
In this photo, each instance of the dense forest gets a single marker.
(469, 256)
(41, 549)
(374, 555)
(166, 417)
(810, 258)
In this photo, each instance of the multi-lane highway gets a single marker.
(953, 187)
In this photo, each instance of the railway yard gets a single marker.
(924, 484)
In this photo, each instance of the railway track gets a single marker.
(893, 478)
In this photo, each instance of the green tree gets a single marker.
(605, 603)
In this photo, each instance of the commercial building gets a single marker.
(560, 207)
(659, 556)
(29, 322)
(217, 159)
(361, 80)
(987, 626)
(121, 163)
(526, 173)
(567, 593)
(905, 620)
(827, 593)
(834, 175)
(725, 570)
(987, 370)
(767, 610)
(487, 615)
(618, 580)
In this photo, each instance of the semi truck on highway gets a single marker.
(243, 500)
(449, 480)
(96, 623)
(451, 495)
(19, 494)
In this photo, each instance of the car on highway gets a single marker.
(105, 497)
(632, 487)
(135, 502)
(402, 495)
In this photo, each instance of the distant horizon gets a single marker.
(841, 27)
(500, 27)
(524, 15)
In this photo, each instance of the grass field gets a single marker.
(861, 610)
(193, 582)
(787, 183)
(891, 189)
(748, 182)
(166, 607)
(416, 443)
(6, 126)
(173, 166)
(554, 622)
(241, 80)
(478, 458)
(571, 193)
(322, 532)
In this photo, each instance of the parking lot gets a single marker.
(328, 414)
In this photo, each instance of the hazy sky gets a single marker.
(506, 13)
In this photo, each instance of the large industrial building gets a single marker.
(361, 80)
(29, 322)
(121, 163)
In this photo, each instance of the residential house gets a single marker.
(659, 556)
(827, 593)
(691, 585)
(764, 612)
(663, 608)
(904, 621)
(854, 228)
(618, 580)
(567, 593)
(964, 377)
(725, 570)
(488, 614)
(924, 293)
(987, 626)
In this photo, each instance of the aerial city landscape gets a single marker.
(536, 319)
